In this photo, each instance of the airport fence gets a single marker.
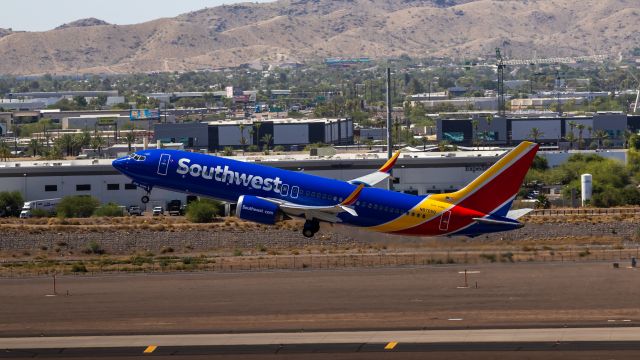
(172, 264)
(585, 211)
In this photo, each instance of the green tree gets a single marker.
(600, 135)
(266, 139)
(535, 134)
(97, 142)
(10, 203)
(77, 206)
(5, 151)
(203, 210)
(130, 138)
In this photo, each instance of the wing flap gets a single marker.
(325, 213)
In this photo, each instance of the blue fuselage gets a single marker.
(228, 179)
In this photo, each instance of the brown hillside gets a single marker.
(299, 30)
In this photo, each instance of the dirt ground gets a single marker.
(507, 295)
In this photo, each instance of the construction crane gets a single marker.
(502, 64)
(635, 105)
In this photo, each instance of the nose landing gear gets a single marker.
(147, 188)
(311, 227)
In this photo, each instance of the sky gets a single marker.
(42, 15)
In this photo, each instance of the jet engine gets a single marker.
(252, 208)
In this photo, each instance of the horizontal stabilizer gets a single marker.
(517, 214)
(497, 222)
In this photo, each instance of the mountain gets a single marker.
(301, 30)
(83, 23)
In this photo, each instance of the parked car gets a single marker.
(158, 210)
(134, 210)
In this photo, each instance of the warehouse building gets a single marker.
(551, 128)
(289, 133)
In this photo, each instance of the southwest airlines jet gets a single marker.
(268, 195)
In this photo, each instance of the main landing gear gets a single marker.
(311, 227)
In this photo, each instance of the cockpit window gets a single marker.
(137, 157)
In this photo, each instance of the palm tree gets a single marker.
(572, 125)
(267, 141)
(600, 135)
(35, 147)
(475, 123)
(580, 128)
(97, 142)
(424, 143)
(627, 134)
(535, 134)
(243, 140)
(130, 137)
(589, 131)
(5, 151)
(66, 142)
(570, 138)
(257, 126)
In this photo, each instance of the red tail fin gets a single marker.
(499, 184)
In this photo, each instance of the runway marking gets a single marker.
(391, 345)
(150, 349)
(455, 319)
(469, 272)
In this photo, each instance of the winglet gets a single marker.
(390, 163)
(353, 197)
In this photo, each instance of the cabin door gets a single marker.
(444, 221)
(163, 165)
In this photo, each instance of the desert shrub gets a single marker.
(78, 268)
(490, 257)
(41, 213)
(203, 210)
(10, 203)
(109, 210)
(77, 206)
(94, 248)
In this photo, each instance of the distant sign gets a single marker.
(106, 121)
(144, 114)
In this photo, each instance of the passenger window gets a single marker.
(335, 198)
(285, 190)
(313, 194)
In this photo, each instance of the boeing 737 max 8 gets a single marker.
(267, 195)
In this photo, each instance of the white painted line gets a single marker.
(469, 272)
(455, 319)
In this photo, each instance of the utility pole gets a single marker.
(389, 127)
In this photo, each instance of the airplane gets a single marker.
(268, 195)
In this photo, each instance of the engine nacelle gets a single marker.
(254, 209)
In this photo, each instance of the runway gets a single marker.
(356, 344)
(525, 295)
(551, 335)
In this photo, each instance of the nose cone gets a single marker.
(121, 164)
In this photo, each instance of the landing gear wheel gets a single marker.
(310, 228)
(307, 233)
(145, 199)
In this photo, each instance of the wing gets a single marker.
(325, 213)
(378, 176)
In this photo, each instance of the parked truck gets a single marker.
(175, 208)
(48, 205)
